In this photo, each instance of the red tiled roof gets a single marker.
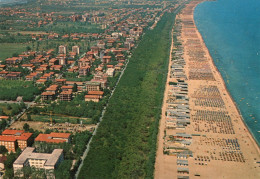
(95, 93)
(49, 137)
(106, 56)
(60, 80)
(47, 93)
(41, 80)
(92, 96)
(66, 92)
(24, 136)
(8, 138)
(4, 117)
(11, 132)
(60, 135)
(66, 87)
(3, 72)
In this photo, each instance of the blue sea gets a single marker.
(231, 31)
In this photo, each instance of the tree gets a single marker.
(26, 126)
(3, 124)
(1, 112)
(22, 104)
(63, 171)
(15, 54)
(29, 118)
(10, 160)
(3, 150)
(9, 107)
(28, 48)
(75, 87)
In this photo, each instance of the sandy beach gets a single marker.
(201, 133)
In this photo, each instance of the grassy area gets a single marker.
(8, 49)
(125, 143)
(10, 109)
(5, 109)
(10, 90)
(60, 119)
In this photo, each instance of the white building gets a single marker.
(110, 72)
(75, 49)
(45, 161)
(62, 49)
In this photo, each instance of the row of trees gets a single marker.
(125, 144)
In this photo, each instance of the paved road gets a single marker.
(29, 104)
(15, 102)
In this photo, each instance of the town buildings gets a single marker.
(12, 139)
(53, 137)
(47, 162)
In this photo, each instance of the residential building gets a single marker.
(28, 66)
(62, 49)
(2, 67)
(9, 142)
(110, 72)
(13, 76)
(103, 82)
(106, 59)
(48, 162)
(13, 60)
(99, 93)
(83, 62)
(12, 139)
(52, 88)
(92, 86)
(94, 98)
(45, 96)
(53, 138)
(75, 49)
(60, 81)
(83, 71)
(66, 96)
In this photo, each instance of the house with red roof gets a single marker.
(94, 98)
(54, 138)
(2, 67)
(66, 96)
(106, 59)
(12, 139)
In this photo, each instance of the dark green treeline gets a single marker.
(125, 144)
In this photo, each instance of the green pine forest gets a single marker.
(125, 144)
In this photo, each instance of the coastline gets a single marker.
(211, 141)
(224, 83)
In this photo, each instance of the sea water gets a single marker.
(231, 31)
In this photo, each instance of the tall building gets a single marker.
(75, 49)
(62, 49)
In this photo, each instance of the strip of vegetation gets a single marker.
(125, 144)
(10, 90)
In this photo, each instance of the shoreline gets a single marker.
(235, 104)
(224, 83)
(217, 134)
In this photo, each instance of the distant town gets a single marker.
(114, 89)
